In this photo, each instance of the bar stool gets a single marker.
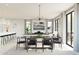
(8, 38)
(13, 35)
(3, 39)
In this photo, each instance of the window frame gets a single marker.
(67, 28)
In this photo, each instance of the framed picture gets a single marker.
(38, 26)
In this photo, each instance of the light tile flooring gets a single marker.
(10, 49)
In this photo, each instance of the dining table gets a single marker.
(39, 39)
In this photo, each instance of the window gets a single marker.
(70, 28)
(56, 25)
(28, 27)
(49, 26)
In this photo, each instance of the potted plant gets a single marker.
(27, 30)
(39, 36)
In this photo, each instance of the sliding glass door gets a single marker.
(70, 28)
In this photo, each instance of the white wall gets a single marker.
(64, 27)
(17, 25)
(76, 28)
(4, 24)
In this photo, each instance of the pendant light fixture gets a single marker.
(39, 12)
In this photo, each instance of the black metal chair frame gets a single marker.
(30, 42)
(20, 42)
(57, 40)
(47, 43)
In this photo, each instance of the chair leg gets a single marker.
(19, 45)
(43, 50)
(27, 49)
(53, 46)
(1, 41)
(43, 47)
(61, 45)
(36, 48)
(16, 46)
(51, 50)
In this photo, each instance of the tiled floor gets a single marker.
(10, 49)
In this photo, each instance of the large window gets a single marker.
(28, 29)
(70, 28)
(49, 26)
(56, 25)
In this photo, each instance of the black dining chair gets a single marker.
(57, 40)
(47, 42)
(32, 43)
(20, 40)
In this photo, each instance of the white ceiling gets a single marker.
(31, 10)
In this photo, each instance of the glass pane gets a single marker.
(49, 28)
(69, 29)
(72, 27)
(28, 27)
(56, 25)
